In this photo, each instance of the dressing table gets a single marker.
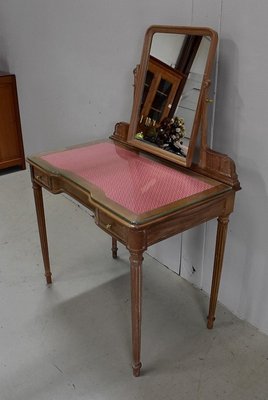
(142, 183)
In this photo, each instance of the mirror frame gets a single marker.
(140, 75)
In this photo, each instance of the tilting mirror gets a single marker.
(170, 88)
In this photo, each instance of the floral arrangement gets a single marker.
(168, 135)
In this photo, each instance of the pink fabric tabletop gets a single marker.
(129, 179)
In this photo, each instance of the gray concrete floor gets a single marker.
(72, 340)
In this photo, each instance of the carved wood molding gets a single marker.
(220, 167)
(120, 132)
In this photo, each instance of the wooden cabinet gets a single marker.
(11, 145)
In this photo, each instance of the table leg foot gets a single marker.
(210, 322)
(136, 370)
(48, 276)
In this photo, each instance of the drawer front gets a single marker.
(111, 226)
(42, 178)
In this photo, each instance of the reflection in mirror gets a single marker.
(171, 91)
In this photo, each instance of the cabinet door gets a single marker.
(161, 86)
(11, 147)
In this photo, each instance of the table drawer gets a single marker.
(42, 178)
(111, 226)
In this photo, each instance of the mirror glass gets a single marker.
(169, 105)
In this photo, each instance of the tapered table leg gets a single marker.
(114, 248)
(218, 261)
(136, 294)
(39, 205)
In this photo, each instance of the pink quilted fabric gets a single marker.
(129, 179)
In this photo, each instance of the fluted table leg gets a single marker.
(218, 261)
(136, 300)
(39, 205)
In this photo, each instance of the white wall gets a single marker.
(240, 130)
(74, 62)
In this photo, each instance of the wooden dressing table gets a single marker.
(143, 191)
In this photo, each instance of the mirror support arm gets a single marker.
(204, 123)
(136, 75)
(211, 163)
